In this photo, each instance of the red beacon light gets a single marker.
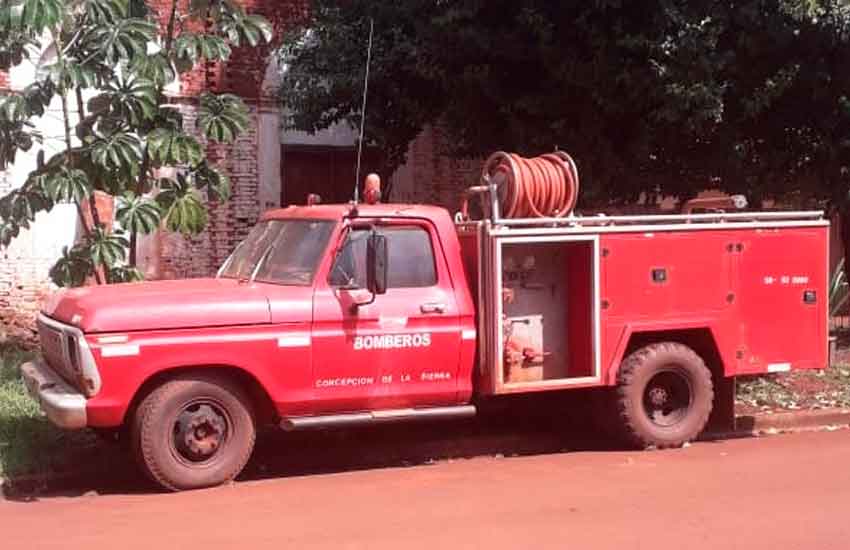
(313, 199)
(372, 189)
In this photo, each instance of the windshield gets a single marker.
(286, 252)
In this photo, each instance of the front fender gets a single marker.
(125, 365)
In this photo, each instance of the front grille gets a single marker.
(54, 348)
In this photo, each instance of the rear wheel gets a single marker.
(194, 431)
(664, 395)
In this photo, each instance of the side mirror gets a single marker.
(376, 263)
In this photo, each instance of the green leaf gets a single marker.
(13, 138)
(120, 151)
(68, 185)
(193, 48)
(184, 211)
(38, 96)
(132, 99)
(105, 11)
(122, 41)
(68, 74)
(156, 67)
(31, 101)
(73, 267)
(106, 248)
(19, 208)
(169, 146)
(13, 108)
(241, 28)
(31, 15)
(222, 117)
(16, 45)
(214, 181)
(138, 214)
(124, 274)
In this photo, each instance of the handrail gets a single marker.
(665, 218)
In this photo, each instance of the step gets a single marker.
(374, 417)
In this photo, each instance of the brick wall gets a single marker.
(431, 176)
(229, 222)
(23, 281)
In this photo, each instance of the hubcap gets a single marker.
(667, 398)
(199, 432)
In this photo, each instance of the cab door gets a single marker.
(396, 350)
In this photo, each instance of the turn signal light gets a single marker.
(372, 189)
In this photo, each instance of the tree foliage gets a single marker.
(116, 53)
(659, 97)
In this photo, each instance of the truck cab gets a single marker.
(293, 328)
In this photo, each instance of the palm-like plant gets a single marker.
(839, 290)
(126, 131)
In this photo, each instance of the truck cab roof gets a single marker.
(340, 211)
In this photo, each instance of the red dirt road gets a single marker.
(782, 492)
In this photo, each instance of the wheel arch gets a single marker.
(265, 410)
(699, 339)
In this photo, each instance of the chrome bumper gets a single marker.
(64, 405)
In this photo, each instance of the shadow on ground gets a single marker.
(520, 426)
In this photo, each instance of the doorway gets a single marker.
(328, 171)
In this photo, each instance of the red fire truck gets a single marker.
(349, 314)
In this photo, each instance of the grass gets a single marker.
(796, 390)
(29, 444)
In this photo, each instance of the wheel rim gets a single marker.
(200, 431)
(667, 398)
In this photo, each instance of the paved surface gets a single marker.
(781, 492)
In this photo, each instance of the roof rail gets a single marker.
(603, 220)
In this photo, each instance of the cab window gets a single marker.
(411, 258)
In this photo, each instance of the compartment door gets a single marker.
(782, 299)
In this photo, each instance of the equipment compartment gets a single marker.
(548, 320)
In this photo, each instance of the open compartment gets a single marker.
(547, 315)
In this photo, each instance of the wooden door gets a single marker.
(327, 171)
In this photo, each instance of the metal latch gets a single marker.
(810, 297)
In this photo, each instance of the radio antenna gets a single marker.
(363, 113)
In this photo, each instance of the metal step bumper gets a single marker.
(64, 405)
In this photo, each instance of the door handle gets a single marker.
(432, 307)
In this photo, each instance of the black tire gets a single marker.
(194, 431)
(664, 395)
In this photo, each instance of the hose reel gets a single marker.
(541, 187)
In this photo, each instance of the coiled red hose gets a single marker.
(544, 186)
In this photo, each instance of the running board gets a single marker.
(374, 417)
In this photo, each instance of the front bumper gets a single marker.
(64, 405)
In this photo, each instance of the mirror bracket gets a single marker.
(376, 267)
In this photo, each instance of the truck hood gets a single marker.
(186, 303)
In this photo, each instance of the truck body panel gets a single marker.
(759, 292)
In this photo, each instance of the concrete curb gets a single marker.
(785, 422)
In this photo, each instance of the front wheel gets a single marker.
(194, 431)
(664, 395)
